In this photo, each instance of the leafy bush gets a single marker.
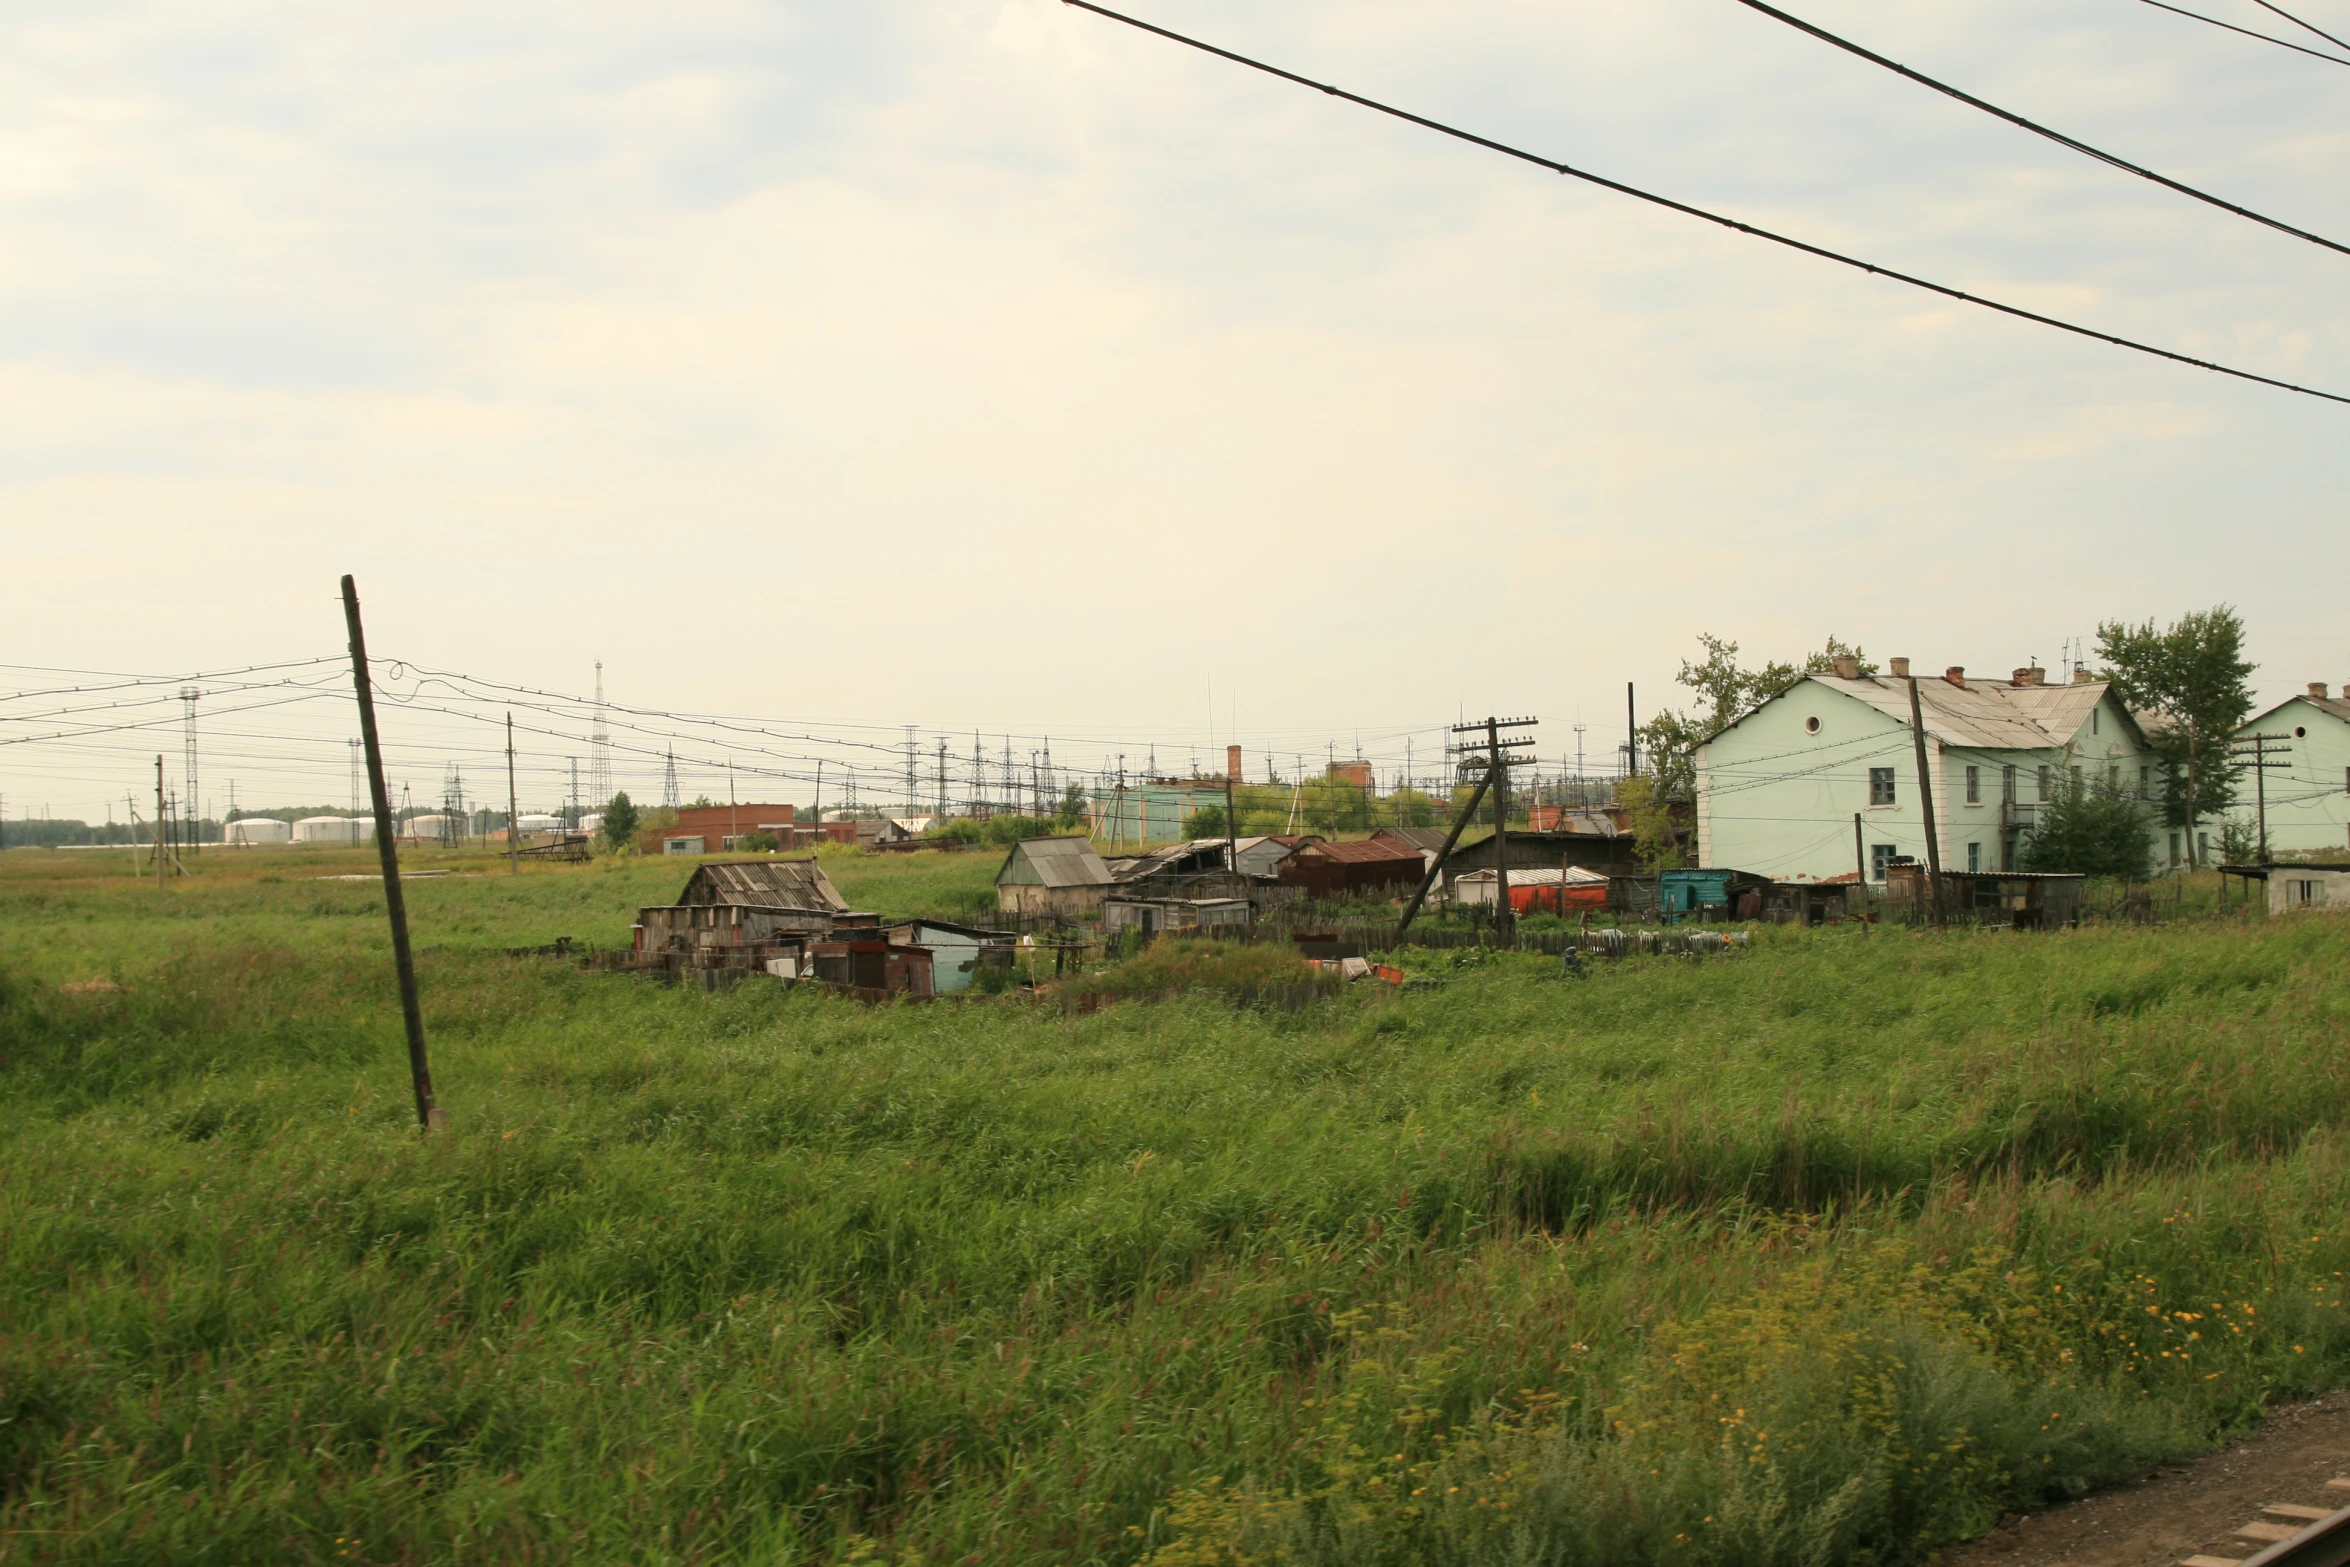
(2091, 831)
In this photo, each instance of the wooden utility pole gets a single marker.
(733, 823)
(159, 822)
(1504, 920)
(2260, 753)
(1631, 733)
(429, 1114)
(513, 816)
(1468, 814)
(1917, 733)
(1860, 855)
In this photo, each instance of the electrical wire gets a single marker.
(2282, 43)
(2304, 26)
(1684, 208)
(2037, 129)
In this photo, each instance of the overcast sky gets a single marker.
(988, 365)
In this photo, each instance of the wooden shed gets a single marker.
(1058, 878)
(773, 884)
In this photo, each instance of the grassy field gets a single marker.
(1830, 1251)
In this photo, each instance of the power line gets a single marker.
(2304, 26)
(1687, 210)
(2037, 129)
(2282, 43)
(1710, 217)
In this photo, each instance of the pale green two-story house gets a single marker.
(1820, 783)
(2309, 796)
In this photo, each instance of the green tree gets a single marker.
(1656, 836)
(1669, 741)
(1071, 810)
(1408, 807)
(1208, 822)
(2091, 831)
(620, 821)
(757, 843)
(2192, 685)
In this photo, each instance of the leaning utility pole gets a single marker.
(513, 816)
(1468, 814)
(429, 1114)
(1917, 733)
(1497, 766)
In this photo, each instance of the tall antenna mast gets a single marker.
(193, 809)
(599, 750)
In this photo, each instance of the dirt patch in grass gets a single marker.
(2182, 1510)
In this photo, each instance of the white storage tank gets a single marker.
(536, 822)
(432, 829)
(257, 829)
(592, 822)
(324, 829)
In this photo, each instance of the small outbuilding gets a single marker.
(1153, 915)
(1052, 878)
(957, 952)
(1711, 894)
(1366, 867)
(1537, 891)
(780, 884)
(2299, 888)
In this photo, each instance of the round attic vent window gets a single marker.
(2301, 733)
(1811, 726)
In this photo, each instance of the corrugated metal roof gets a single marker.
(1986, 714)
(1537, 876)
(1417, 837)
(1064, 862)
(784, 884)
(1362, 851)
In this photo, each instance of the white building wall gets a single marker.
(1777, 798)
(2309, 798)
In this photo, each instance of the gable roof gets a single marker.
(775, 884)
(1418, 837)
(2332, 707)
(1169, 857)
(1990, 715)
(1362, 851)
(1060, 862)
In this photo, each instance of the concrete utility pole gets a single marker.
(159, 821)
(429, 1114)
(1917, 733)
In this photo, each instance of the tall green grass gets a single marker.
(1828, 1252)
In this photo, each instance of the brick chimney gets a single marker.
(2317, 688)
(2084, 677)
(1956, 675)
(1232, 763)
(1900, 668)
(1847, 666)
(2031, 677)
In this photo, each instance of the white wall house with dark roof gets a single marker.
(1778, 791)
(2309, 796)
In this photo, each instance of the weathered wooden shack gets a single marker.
(1153, 915)
(1057, 878)
(774, 884)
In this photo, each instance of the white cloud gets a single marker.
(1055, 370)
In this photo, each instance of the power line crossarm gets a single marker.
(1684, 208)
